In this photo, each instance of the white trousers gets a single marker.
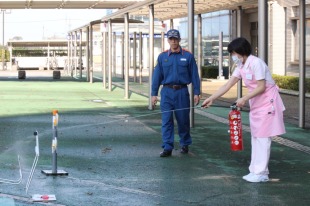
(260, 155)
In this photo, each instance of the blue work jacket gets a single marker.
(176, 69)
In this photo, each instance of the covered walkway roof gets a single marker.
(65, 4)
(164, 9)
(40, 43)
(171, 9)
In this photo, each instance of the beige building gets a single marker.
(283, 35)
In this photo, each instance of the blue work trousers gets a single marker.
(177, 100)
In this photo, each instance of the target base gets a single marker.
(50, 172)
(43, 198)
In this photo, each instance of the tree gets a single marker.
(17, 38)
(6, 54)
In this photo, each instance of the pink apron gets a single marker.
(266, 109)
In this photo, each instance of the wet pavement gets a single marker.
(110, 147)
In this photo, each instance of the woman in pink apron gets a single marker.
(266, 106)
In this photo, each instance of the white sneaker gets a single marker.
(245, 177)
(257, 178)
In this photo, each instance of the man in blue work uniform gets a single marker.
(175, 69)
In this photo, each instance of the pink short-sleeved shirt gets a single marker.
(259, 67)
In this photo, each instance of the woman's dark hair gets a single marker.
(241, 46)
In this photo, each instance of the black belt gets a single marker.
(176, 87)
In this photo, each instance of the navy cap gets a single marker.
(173, 33)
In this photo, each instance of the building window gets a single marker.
(213, 24)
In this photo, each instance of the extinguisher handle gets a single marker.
(234, 106)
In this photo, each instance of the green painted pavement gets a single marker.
(110, 148)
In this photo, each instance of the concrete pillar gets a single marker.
(151, 52)
(126, 50)
(302, 62)
(191, 36)
(110, 55)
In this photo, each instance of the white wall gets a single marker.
(277, 39)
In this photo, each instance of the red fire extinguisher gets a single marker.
(235, 128)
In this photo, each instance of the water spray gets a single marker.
(14, 182)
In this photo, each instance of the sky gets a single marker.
(36, 24)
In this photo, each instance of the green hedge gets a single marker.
(284, 82)
(212, 72)
(290, 82)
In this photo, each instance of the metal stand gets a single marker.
(54, 170)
